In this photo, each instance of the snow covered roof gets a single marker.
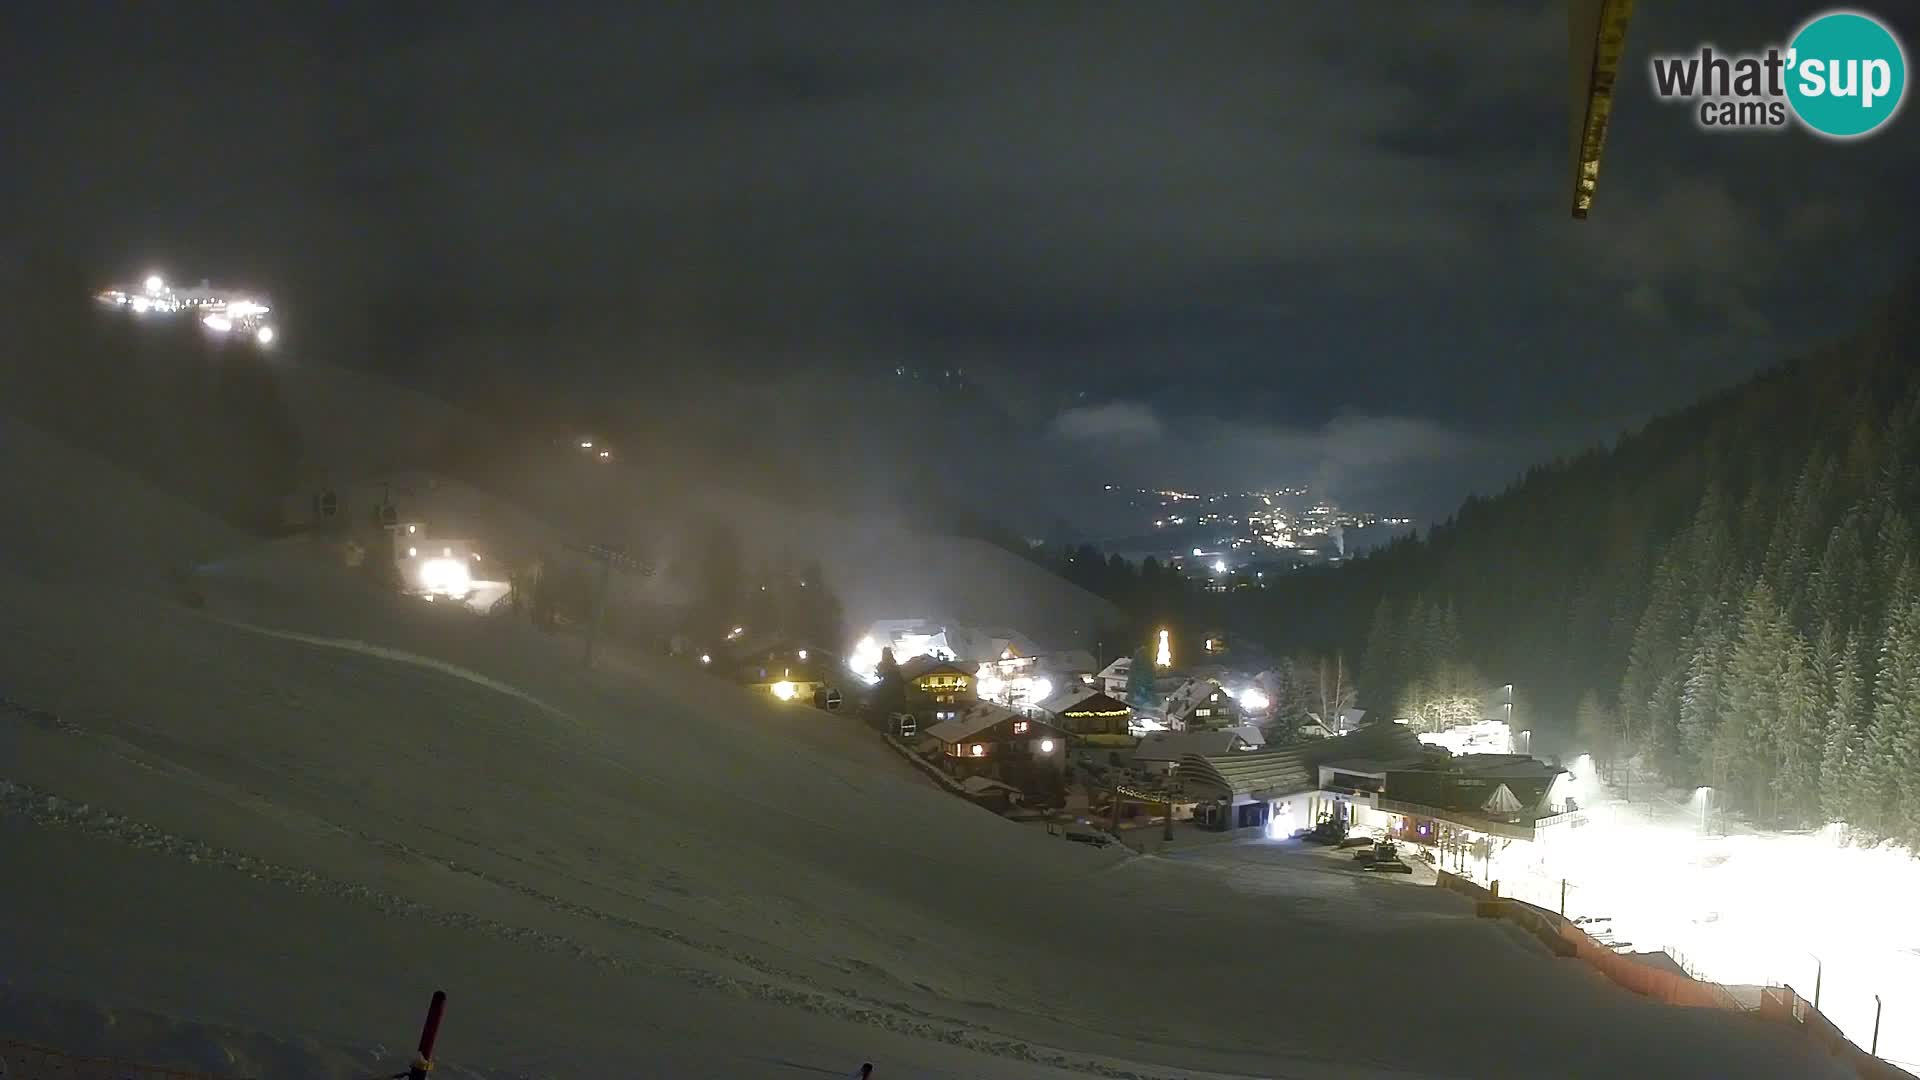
(1370, 766)
(1191, 695)
(976, 720)
(921, 666)
(1119, 669)
(1079, 696)
(1070, 661)
(1502, 801)
(980, 785)
(1249, 734)
(1266, 772)
(1512, 766)
(1172, 746)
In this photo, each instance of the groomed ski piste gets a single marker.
(250, 836)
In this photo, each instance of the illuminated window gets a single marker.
(1019, 727)
(979, 750)
(1203, 712)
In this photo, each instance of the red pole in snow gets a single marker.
(429, 1033)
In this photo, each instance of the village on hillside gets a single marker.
(1106, 750)
(1208, 737)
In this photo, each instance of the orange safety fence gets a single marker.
(1671, 987)
(1780, 1004)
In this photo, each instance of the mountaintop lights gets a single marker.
(222, 311)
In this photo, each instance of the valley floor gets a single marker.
(258, 852)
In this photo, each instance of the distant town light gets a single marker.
(803, 654)
(606, 455)
(705, 659)
(219, 324)
(1219, 566)
(586, 444)
(155, 283)
(264, 335)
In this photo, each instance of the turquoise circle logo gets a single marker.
(1847, 74)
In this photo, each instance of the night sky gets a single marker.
(1199, 243)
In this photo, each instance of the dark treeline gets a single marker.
(778, 597)
(1728, 595)
(195, 415)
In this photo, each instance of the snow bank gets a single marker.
(73, 516)
(639, 871)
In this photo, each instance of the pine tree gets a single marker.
(1840, 765)
(1904, 688)
(890, 691)
(815, 615)
(1751, 724)
(1652, 664)
(1140, 680)
(1895, 730)
(1594, 725)
(1703, 692)
(1381, 667)
(1451, 647)
(718, 592)
(1803, 711)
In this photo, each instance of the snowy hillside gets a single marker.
(884, 571)
(263, 833)
(73, 516)
(360, 431)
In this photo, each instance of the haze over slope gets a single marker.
(331, 806)
(658, 500)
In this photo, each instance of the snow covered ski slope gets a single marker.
(252, 836)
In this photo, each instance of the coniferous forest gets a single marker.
(1730, 595)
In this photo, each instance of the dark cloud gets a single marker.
(1257, 217)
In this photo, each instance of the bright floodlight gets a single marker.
(264, 335)
(218, 323)
(1252, 700)
(1046, 746)
(864, 660)
(784, 690)
(1219, 566)
(448, 576)
(155, 283)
